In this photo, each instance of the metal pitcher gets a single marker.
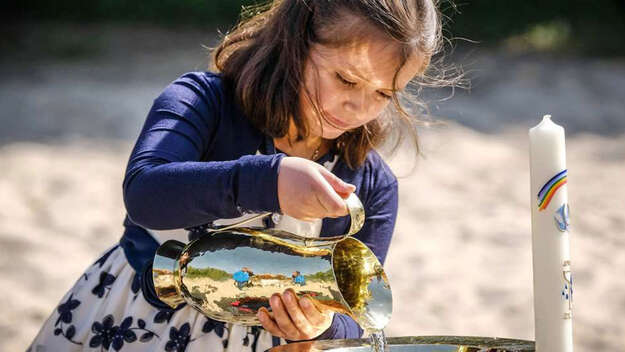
(233, 271)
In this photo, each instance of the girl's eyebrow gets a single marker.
(355, 72)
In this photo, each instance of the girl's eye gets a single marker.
(385, 96)
(346, 82)
(351, 84)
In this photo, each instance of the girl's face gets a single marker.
(354, 84)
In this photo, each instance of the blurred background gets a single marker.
(77, 79)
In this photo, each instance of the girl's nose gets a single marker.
(356, 106)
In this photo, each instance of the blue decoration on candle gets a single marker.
(561, 217)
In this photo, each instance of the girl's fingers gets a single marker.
(331, 201)
(341, 187)
(269, 324)
(313, 315)
(293, 319)
(295, 313)
(282, 318)
(308, 191)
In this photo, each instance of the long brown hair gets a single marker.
(262, 60)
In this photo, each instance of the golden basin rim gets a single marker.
(503, 344)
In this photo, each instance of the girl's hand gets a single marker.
(307, 190)
(294, 319)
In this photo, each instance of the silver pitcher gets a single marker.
(233, 271)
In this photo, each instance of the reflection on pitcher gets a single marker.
(298, 278)
(342, 275)
(242, 277)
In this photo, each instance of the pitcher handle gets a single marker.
(356, 213)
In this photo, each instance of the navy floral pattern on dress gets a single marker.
(106, 280)
(163, 315)
(148, 335)
(147, 330)
(65, 316)
(107, 334)
(255, 332)
(136, 285)
(213, 325)
(179, 338)
(105, 256)
(100, 261)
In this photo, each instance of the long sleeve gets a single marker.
(166, 186)
(376, 233)
(343, 327)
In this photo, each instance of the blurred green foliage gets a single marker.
(211, 273)
(163, 12)
(323, 276)
(592, 27)
(572, 26)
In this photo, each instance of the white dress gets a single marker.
(106, 311)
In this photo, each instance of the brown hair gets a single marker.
(262, 60)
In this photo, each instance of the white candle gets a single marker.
(550, 239)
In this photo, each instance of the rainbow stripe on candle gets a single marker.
(550, 188)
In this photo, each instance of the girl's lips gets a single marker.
(335, 121)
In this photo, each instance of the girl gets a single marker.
(286, 121)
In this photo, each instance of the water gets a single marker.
(378, 341)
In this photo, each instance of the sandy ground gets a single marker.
(460, 260)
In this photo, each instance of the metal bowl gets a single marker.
(415, 344)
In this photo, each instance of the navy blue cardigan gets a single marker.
(194, 162)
